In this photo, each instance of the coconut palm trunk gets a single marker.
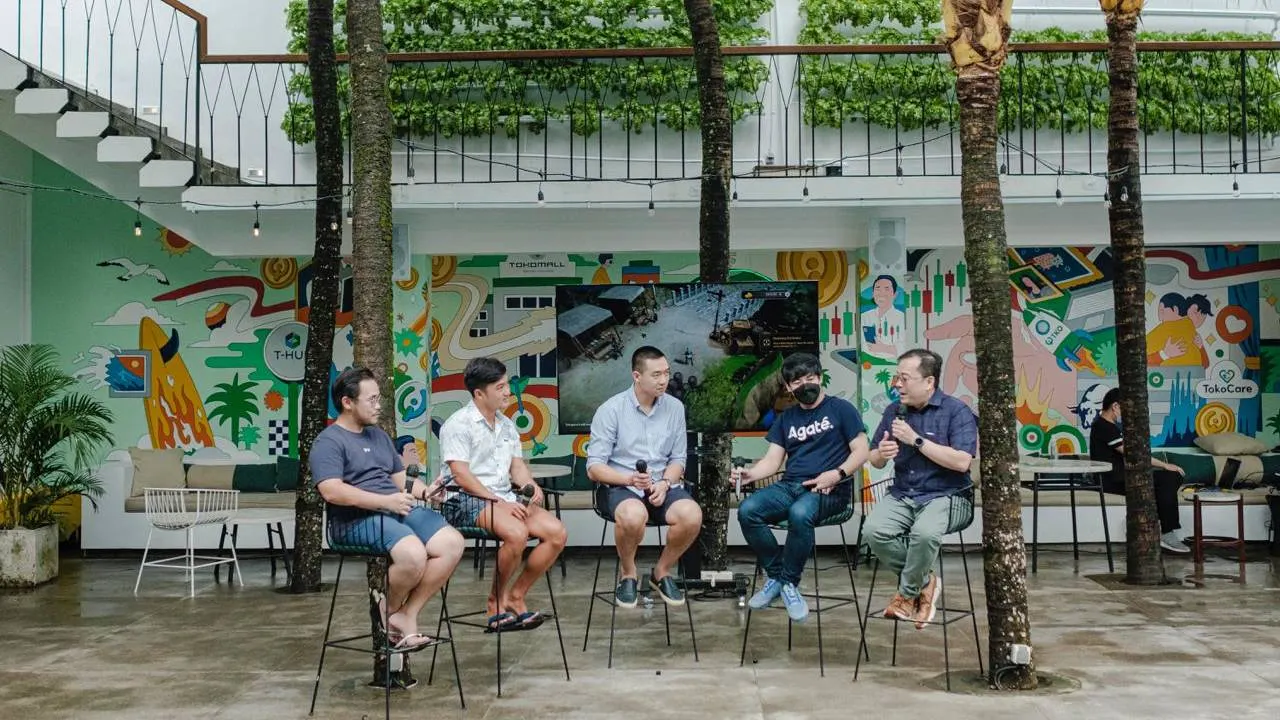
(323, 304)
(371, 223)
(1144, 565)
(977, 36)
(716, 451)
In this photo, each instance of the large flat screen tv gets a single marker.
(725, 344)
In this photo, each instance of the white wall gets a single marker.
(15, 244)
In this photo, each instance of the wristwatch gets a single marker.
(919, 443)
(843, 475)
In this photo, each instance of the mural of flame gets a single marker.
(175, 412)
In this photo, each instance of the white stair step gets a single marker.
(124, 149)
(41, 101)
(83, 124)
(13, 72)
(166, 173)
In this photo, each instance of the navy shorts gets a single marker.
(609, 497)
(376, 532)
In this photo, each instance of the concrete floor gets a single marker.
(85, 647)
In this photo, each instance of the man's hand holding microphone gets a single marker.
(641, 480)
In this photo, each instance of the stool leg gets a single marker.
(271, 550)
(613, 616)
(325, 644)
(853, 588)
(453, 650)
(862, 644)
(386, 572)
(1197, 532)
(595, 583)
(688, 607)
(564, 573)
(1240, 534)
(1075, 534)
(1035, 524)
(746, 631)
(817, 599)
(499, 634)
(555, 615)
(973, 609)
(284, 553)
(222, 541)
(942, 599)
(146, 549)
(1106, 527)
(444, 602)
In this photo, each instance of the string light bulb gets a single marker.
(1235, 188)
(349, 217)
(1106, 199)
(652, 211)
(542, 199)
(1124, 194)
(901, 177)
(137, 218)
(804, 195)
(257, 224)
(1057, 197)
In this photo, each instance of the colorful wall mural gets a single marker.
(206, 354)
(1213, 339)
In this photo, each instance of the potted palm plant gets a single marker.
(50, 437)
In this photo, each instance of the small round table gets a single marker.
(1061, 474)
(274, 520)
(1200, 541)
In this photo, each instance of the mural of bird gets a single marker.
(133, 270)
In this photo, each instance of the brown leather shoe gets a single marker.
(927, 603)
(900, 608)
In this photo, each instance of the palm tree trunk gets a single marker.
(712, 492)
(1004, 555)
(323, 304)
(1144, 564)
(371, 231)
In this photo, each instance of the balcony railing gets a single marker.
(865, 110)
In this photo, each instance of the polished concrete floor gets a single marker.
(85, 647)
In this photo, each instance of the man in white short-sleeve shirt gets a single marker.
(480, 451)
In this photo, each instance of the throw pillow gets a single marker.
(211, 477)
(156, 469)
(257, 478)
(287, 471)
(1231, 444)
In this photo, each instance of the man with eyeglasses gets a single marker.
(824, 442)
(931, 439)
(357, 470)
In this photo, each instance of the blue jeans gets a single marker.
(802, 509)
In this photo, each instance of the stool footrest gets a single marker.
(347, 643)
(953, 614)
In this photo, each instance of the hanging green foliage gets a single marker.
(1196, 92)
(483, 98)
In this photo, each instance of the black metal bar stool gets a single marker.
(838, 601)
(364, 545)
(600, 506)
(961, 518)
(473, 532)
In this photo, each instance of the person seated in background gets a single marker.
(1106, 444)
(931, 439)
(638, 435)
(358, 472)
(823, 441)
(481, 452)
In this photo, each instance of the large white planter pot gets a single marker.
(28, 557)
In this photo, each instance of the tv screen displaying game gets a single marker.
(725, 344)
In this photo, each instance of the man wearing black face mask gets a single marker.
(824, 443)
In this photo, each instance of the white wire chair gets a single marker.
(186, 509)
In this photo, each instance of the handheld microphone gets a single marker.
(413, 471)
(642, 466)
(526, 494)
(901, 414)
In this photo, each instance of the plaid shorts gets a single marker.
(463, 510)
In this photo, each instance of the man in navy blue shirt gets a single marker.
(824, 443)
(931, 438)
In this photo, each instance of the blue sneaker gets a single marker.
(797, 606)
(770, 592)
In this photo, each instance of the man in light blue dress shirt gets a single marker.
(645, 425)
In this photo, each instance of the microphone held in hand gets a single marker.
(642, 466)
(526, 494)
(413, 471)
(901, 414)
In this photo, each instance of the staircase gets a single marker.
(122, 138)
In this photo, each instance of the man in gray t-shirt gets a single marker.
(373, 506)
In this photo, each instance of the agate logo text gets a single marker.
(804, 432)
